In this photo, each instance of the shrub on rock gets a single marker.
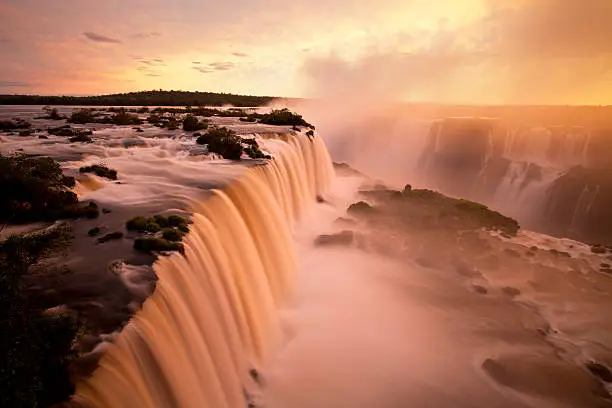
(192, 124)
(33, 189)
(100, 171)
(149, 244)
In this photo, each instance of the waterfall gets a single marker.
(213, 314)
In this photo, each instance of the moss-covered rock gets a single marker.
(172, 234)
(192, 124)
(100, 171)
(150, 244)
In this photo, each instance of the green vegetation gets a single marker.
(192, 124)
(83, 116)
(34, 189)
(149, 244)
(35, 345)
(283, 117)
(156, 223)
(52, 113)
(145, 98)
(222, 141)
(124, 118)
(66, 130)
(100, 171)
(14, 124)
(143, 224)
(171, 234)
(415, 208)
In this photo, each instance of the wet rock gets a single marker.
(547, 376)
(93, 232)
(512, 252)
(360, 208)
(110, 237)
(510, 291)
(600, 371)
(343, 238)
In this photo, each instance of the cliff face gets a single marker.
(567, 169)
(579, 204)
(456, 153)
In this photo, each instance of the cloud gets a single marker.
(100, 38)
(240, 54)
(13, 84)
(150, 74)
(196, 62)
(151, 62)
(214, 66)
(152, 34)
(203, 70)
(222, 66)
(529, 51)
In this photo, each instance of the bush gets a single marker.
(177, 221)
(35, 347)
(153, 119)
(83, 116)
(14, 124)
(171, 234)
(52, 113)
(191, 124)
(142, 224)
(33, 189)
(100, 171)
(124, 118)
(148, 244)
(284, 117)
(222, 141)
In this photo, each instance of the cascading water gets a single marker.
(213, 314)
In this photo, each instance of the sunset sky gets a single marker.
(470, 51)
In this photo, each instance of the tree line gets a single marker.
(144, 98)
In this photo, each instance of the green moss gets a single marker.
(142, 224)
(177, 221)
(171, 234)
(101, 171)
(148, 244)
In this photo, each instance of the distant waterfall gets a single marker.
(213, 314)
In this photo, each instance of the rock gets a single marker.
(110, 237)
(480, 289)
(343, 238)
(600, 371)
(360, 208)
(43, 137)
(93, 232)
(510, 291)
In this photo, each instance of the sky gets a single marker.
(449, 51)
